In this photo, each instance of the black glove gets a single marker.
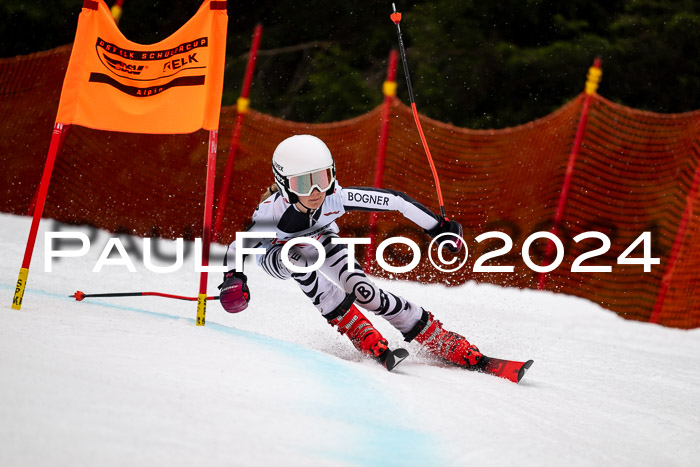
(235, 295)
(452, 227)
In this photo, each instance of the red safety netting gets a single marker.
(634, 173)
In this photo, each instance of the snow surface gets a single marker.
(133, 381)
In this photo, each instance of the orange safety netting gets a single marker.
(634, 173)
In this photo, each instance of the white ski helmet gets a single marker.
(302, 163)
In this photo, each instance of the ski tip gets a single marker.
(524, 368)
(394, 357)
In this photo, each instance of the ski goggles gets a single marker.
(304, 184)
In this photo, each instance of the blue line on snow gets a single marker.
(380, 443)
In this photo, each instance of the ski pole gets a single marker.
(79, 296)
(396, 18)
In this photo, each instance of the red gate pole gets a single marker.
(389, 90)
(206, 234)
(56, 140)
(64, 135)
(241, 109)
(675, 250)
(593, 79)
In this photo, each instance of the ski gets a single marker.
(508, 369)
(391, 358)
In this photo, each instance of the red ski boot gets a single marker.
(352, 322)
(448, 345)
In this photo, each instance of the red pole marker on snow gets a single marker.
(80, 296)
(396, 18)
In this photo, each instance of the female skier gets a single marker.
(305, 201)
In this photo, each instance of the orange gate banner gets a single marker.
(173, 86)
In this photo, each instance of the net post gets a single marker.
(675, 250)
(54, 146)
(206, 234)
(241, 109)
(116, 10)
(592, 80)
(389, 90)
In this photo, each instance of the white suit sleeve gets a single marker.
(377, 199)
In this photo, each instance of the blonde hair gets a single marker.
(269, 191)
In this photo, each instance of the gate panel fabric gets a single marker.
(173, 86)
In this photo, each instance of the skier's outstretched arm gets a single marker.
(378, 199)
